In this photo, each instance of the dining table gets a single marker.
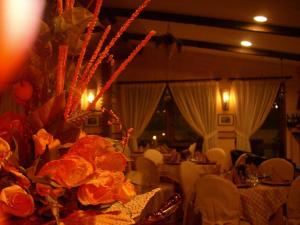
(172, 169)
(261, 202)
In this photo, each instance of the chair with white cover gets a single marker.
(192, 149)
(154, 155)
(293, 203)
(149, 176)
(278, 168)
(188, 177)
(217, 200)
(218, 155)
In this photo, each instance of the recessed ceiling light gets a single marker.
(260, 19)
(246, 43)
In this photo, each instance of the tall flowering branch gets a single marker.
(125, 139)
(85, 80)
(60, 7)
(121, 68)
(61, 68)
(69, 4)
(88, 67)
(81, 56)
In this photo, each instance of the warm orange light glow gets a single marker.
(90, 97)
(19, 25)
(225, 99)
(246, 43)
(260, 19)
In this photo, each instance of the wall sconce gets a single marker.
(225, 95)
(88, 97)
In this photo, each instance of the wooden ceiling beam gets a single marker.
(206, 21)
(223, 47)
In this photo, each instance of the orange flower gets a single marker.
(125, 192)
(16, 201)
(22, 180)
(101, 189)
(91, 146)
(114, 161)
(41, 139)
(46, 190)
(100, 152)
(5, 151)
(68, 172)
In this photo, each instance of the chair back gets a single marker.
(218, 155)
(192, 149)
(154, 155)
(149, 172)
(293, 203)
(278, 168)
(217, 200)
(188, 177)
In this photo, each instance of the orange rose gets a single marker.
(16, 201)
(22, 180)
(101, 189)
(5, 151)
(100, 152)
(46, 190)
(90, 147)
(68, 172)
(41, 139)
(114, 161)
(125, 192)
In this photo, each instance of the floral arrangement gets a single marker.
(48, 167)
(90, 172)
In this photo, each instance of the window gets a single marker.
(169, 127)
(269, 138)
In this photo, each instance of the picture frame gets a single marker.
(225, 119)
(92, 121)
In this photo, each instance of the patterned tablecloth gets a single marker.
(259, 203)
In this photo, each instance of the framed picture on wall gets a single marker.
(92, 121)
(225, 119)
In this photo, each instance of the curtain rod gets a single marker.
(261, 78)
(166, 81)
(206, 79)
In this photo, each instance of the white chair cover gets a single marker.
(218, 155)
(149, 176)
(217, 200)
(154, 155)
(192, 149)
(149, 172)
(293, 203)
(188, 176)
(280, 169)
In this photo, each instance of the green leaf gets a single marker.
(31, 171)
(54, 205)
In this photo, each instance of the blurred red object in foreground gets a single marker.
(19, 25)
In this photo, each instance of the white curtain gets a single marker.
(197, 102)
(138, 103)
(254, 100)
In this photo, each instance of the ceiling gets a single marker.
(216, 25)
